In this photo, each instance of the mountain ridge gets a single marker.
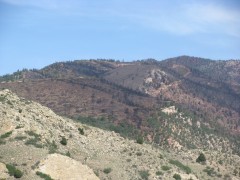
(131, 93)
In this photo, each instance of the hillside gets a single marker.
(129, 98)
(38, 143)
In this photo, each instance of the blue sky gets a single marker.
(36, 33)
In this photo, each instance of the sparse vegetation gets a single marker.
(125, 129)
(81, 131)
(159, 173)
(210, 171)
(20, 138)
(35, 140)
(160, 130)
(68, 154)
(6, 135)
(177, 177)
(138, 153)
(144, 174)
(166, 168)
(52, 147)
(43, 175)
(181, 166)
(13, 171)
(63, 141)
(107, 170)
(2, 141)
(35, 165)
(140, 140)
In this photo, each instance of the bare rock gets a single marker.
(61, 167)
(3, 171)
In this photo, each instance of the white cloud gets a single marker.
(193, 18)
(214, 18)
(176, 17)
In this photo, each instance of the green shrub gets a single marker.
(159, 173)
(6, 135)
(63, 141)
(144, 174)
(13, 171)
(201, 158)
(181, 166)
(81, 131)
(165, 168)
(139, 140)
(177, 177)
(107, 170)
(44, 176)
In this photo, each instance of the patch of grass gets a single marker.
(144, 174)
(13, 171)
(138, 153)
(31, 133)
(107, 170)
(125, 129)
(6, 135)
(181, 166)
(43, 175)
(20, 138)
(9, 102)
(63, 141)
(177, 177)
(52, 147)
(159, 173)
(166, 168)
(34, 141)
(210, 171)
(35, 165)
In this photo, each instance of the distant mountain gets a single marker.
(129, 97)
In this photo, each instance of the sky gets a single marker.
(36, 33)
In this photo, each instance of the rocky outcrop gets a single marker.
(61, 167)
